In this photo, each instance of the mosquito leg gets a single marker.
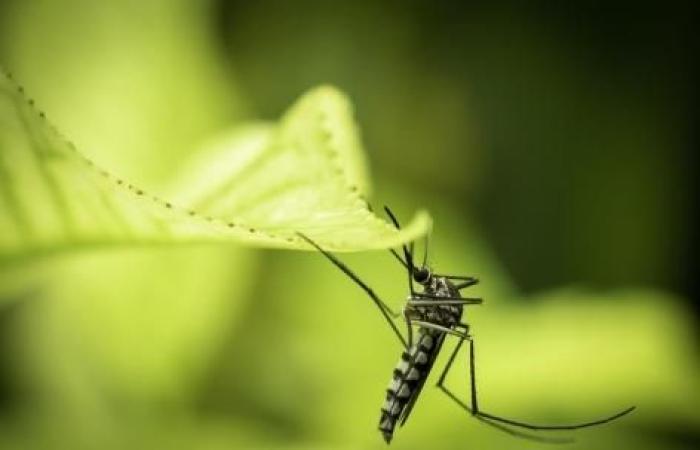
(443, 375)
(408, 254)
(440, 328)
(411, 269)
(476, 411)
(466, 281)
(409, 328)
(498, 426)
(503, 428)
(354, 277)
(390, 311)
(467, 300)
(393, 252)
(457, 277)
(466, 284)
(398, 258)
(448, 301)
(472, 379)
(383, 308)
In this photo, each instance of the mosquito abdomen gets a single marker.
(407, 380)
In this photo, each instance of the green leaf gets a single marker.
(258, 184)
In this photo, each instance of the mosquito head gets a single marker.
(422, 275)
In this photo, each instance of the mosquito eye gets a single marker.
(421, 275)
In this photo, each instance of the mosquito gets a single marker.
(430, 317)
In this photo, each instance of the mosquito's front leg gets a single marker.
(383, 308)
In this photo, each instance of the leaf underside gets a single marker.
(257, 185)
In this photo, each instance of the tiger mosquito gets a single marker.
(436, 313)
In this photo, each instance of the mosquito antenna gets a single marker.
(425, 250)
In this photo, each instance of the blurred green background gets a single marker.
(553, 144)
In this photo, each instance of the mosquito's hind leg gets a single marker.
(383, 308)
(530, 426)
(503, 428)
(477, 412)
(473, 410)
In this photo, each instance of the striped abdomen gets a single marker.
(408, 379)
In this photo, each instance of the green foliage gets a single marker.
(256, 185)
(226, 346)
